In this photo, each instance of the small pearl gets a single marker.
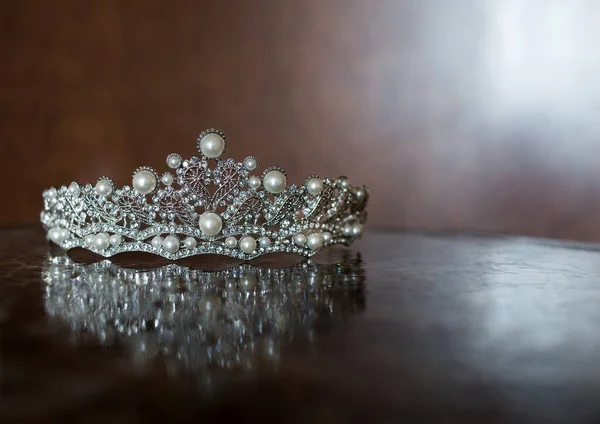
(264, 241)
(144, 181)
(210, 223)
(247, 281)
(64, 234)
(250, 163)
(343, 182)
(274, 181)
(347, 229)
(52, 193)
(157, 242)
(73, 189)
(248, 244)
(357, 229)
(314, 241)
(173, 160)
(101, 241)
(89, 240)
(231, 242)
(254, 182)
(314, 186)
(54, 234)
(171, 243)
(189, 242)
(115, 239)
(300, 239)
(167, 178)
(212, 145)
(327, 237)
(361, 194)
(104, 188)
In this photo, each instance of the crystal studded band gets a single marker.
(206, 205)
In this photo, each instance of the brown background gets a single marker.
(479, 115)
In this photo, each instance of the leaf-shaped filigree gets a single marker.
(290, 206)
(172, 205)
(195, 178)
(324, 200)
(134, 207)
(100, 209)
(229, 180)
(247, 211)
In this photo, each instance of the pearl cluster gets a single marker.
(177, 214)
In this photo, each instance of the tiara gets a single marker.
(206, 205)
(197, 319)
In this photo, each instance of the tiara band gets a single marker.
(206, 205)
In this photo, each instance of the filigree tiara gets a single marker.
(206, 205)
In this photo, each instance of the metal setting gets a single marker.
(157, 215)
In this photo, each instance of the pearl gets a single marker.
(361, 194)
(157, 242)
(210, 304)
(274, 181)
(73, 189)
(101, 241)
(248, 244)
(247, 281)
(254, 182)
(347, 229)
(357, 229)
(210, 223)
(115, 239)
(52, 193)
(167, 178)
(327, 237)
(300, 239)
(89, 240)
(251, 163)
(314, 186)
(212, 145)
(264, 241)
(104, 188)
(314, 241)
(173, 160)
(54, 234)
(64, 234)
(343, 182)
(171, 244)
(231, 242)
(144, 181)
(189, 242)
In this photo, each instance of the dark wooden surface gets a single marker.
(460, 115)
(445, 329)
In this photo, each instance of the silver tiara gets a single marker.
(206, 205)
(196, 319)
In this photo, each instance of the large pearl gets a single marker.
(101, 241)
(212, 145)
(173, 160)
(171, 244)
(314, 241)
(189, 242)
(314, 186)
(104, 188)
(347, 229)
(248, 244)
(157, 242)
(144, 181)
(116, 239)
(274, 181)
(57, 234)
(210, 223)
(73, 189)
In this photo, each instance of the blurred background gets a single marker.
(460, 115)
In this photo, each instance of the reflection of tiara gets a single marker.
(210, 205)
(197, 319)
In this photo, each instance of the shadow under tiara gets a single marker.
(204, 321)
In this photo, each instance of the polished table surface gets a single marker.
(399, 328)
